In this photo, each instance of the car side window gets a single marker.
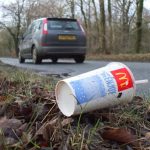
(33, 27)
(26, 32)
(29, 30)
(40, 24)
(37, 26)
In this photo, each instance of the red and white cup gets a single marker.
(104, 87)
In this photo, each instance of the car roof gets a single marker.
(54, 18)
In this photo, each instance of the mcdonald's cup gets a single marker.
(104, 87)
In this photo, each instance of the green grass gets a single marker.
(38, 109)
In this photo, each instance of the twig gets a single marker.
(48, 113)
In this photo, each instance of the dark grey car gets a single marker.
(53, 38)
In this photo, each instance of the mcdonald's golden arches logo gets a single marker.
(123, 79)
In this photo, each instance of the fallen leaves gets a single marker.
(2, 98)
(51, 131)
(147, 135)
(28, 107)
(31, 120)
(9, 123)
(10, 130)
(47, 130)
(121, 135)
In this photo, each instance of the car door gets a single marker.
(36, 33)
(29, 40)
(23, 45)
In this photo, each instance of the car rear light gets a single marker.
(45, 29)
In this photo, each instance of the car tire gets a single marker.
(36, 59)
(21, 59)
(79, 59)
(54, 60)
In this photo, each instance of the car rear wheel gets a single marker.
(54, 60)
(21, 59)
(35, 57)
(79, 59)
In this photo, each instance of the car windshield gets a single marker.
(63, 25)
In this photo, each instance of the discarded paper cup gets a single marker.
(104, 87)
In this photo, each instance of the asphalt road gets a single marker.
(67, 68)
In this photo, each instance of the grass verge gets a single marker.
(120, 57)
(30, 118)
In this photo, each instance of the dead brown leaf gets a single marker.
(8, 130)
(147, 135)
(121, 135)
(9, 123)
(3, 98)
(66, 121)
(47, 129)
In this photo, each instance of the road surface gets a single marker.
(67, 68)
